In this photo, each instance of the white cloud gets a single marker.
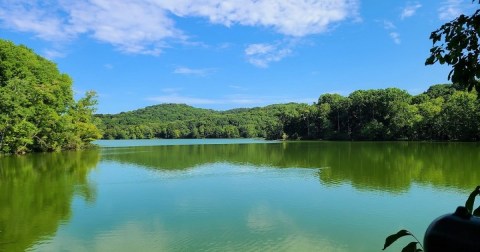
(191, 71)
(451, 9)
(53, 54)
(132, 26)
(44, 20)
(391, 28)
(410, 10)
(395, 37)
(289, 17)
(388, 25)
(261, 55)
(146, 26)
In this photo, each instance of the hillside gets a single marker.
(183, 121)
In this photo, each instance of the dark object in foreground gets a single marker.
(459, 231)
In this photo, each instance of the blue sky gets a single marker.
(224, 54)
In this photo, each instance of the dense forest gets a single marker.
(37, 108)
(443, 112)
(183, 121)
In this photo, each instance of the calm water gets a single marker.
(230, 195)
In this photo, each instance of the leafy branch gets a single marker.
(458, 46)
(412, 246)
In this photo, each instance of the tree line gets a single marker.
(443, 112)
(183, 121)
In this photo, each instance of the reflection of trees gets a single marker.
(382, 166)
(36, 193)
(394, 166)
(179, 157)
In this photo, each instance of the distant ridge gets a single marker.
(171, 120)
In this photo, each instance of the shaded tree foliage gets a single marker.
(456, 43)
(37, 109)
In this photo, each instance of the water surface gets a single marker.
(224, 195)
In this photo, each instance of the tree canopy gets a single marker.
(37, 109)
(456, 43)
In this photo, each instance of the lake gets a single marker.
(231, 195)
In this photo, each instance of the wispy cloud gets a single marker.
(192, 71)
(451, 9)
(147, 26)
(410, 9)
(44, 20)
(53, 54)
(262, 54)
(395, 37)
(392, 31)
(388, 25)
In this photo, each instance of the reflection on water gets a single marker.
(366, 165)
(36, 193)
(288, 196)
(226, 212)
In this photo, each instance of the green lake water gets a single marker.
(231, 195)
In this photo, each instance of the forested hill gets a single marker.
(183, 121)
(160, 113)
(443, 112)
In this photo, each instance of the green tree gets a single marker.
(459, 47)
(338, 116)
(37, 109)
(440, 90)
(396, 113)
(16, 130)
(403, 119)
(324, 124)
(460, 116)
(429, 126)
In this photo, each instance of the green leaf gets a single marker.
(471, 199)
(477, 212)
(392, 238)
(411, 247)
(430, 60)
